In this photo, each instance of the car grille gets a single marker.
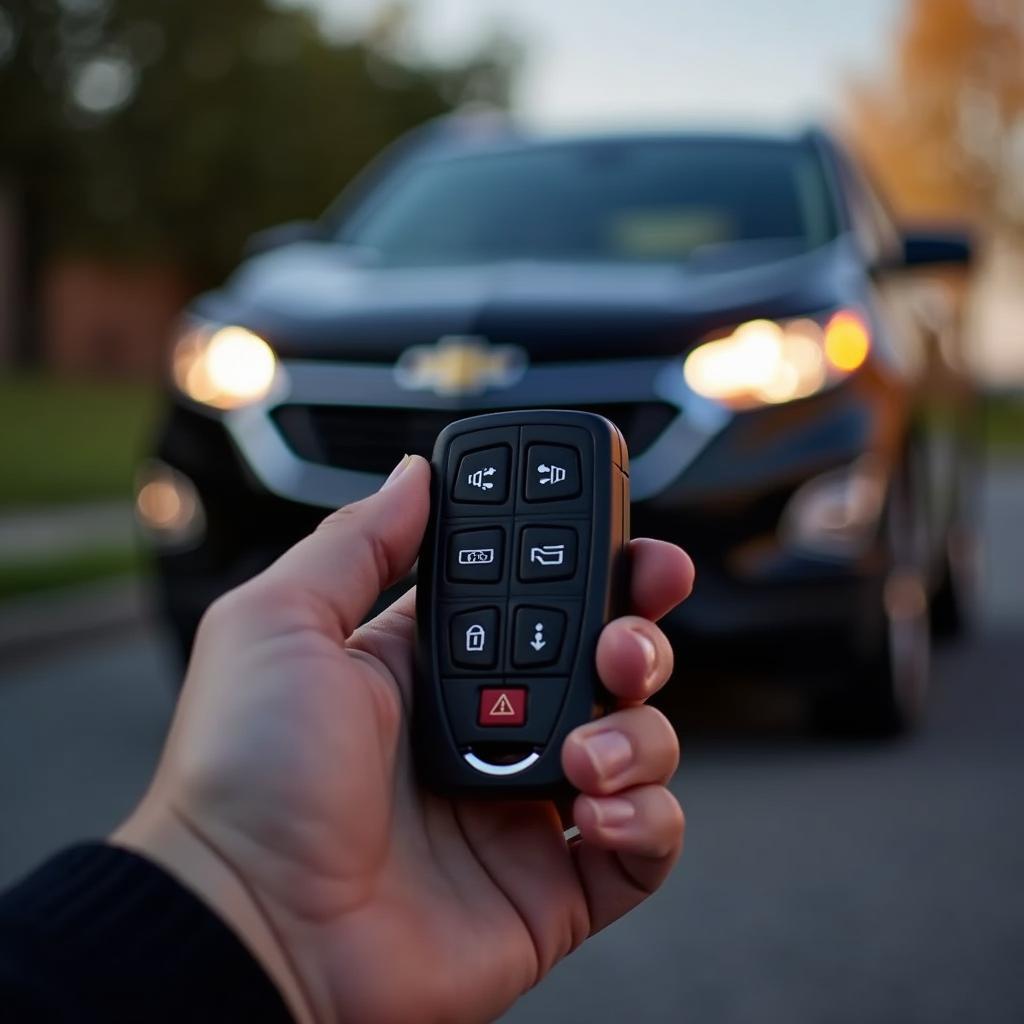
(373, 439)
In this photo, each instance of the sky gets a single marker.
(650, 62)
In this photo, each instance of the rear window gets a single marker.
(660, 201)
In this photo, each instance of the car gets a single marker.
(786, 367)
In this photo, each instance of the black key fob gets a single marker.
(523, 563)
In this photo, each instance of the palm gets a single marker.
(382, 871)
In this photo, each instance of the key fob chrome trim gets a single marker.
(501, 769)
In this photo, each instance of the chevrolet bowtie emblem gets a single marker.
(459, 365)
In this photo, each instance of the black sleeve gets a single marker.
(101, 934)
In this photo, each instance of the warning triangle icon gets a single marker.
(503, 706)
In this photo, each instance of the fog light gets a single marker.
(836, 513)
(167, 506)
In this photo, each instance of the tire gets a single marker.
(953, 602)
(956, 593)
(884, 691)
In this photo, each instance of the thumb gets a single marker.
(362, 548)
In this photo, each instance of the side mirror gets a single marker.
(931, 248)
(284, 234)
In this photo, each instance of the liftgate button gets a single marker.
(502, 707)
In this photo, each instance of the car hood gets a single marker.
(316, 301)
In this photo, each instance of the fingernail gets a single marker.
(610, 752)
(613, 811)
(650, 653)
(397, 471)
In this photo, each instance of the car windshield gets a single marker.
(624, 201)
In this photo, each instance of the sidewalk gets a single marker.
(47, 619)
(32, 533)
(46, 536)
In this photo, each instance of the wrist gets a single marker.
(165, 838)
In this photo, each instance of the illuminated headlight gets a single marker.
(764, 362)
(167, 506)
(225, 367)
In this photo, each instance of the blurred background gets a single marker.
(142, 145)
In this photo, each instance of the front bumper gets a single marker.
(714, 483)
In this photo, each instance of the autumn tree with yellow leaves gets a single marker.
(943, 130)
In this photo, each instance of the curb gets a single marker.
(37, 621)
(34, 531)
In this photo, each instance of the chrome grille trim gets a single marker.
(547, 385)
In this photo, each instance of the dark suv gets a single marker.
(739, 305)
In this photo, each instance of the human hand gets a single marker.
(286, 796)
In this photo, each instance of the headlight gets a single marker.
(763, 362)
(224, 367)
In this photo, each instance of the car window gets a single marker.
(622, 201)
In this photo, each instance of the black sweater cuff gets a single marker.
(99, 933)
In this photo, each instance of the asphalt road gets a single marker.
(822, 881)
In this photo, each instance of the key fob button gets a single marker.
(483, 476)
(538, 636)
(476, 556)
(552, 472)
(502, 706)
(474, 638)
(478, 715)
(547, 553)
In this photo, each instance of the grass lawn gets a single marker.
(1003, 425)
(70, 570)
(65, 440)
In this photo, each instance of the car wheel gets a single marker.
(884, 691)
(956, 593)
(953, 602)
(889, 688)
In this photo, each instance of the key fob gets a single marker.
(523, 563)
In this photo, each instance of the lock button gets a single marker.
(474, 638)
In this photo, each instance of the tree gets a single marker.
(169, 129)
(944, 131)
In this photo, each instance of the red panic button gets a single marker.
(502, 706)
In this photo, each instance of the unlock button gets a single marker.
(474, 638)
